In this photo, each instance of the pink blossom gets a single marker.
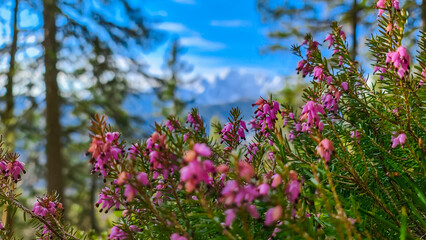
(108, 199)
(381, 5)
(325, 149)
(355, 134)
(329, 38)
(44, 207)
(310, 113)
(399, 140)
(130, 192)
(253, 211)
(318, 73)
(202, 149)
(273, 215)
(117, 234)
(13, 169)
(245, 170)
(400, 59)
(345, 86)
(196, 172)
(194, 121)
(276, 180)
(176, 236)
(263, 189)
(230, 215)
(143, 178)
(293, 187)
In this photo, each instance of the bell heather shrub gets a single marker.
(349, 165)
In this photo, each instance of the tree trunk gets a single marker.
(55, 178)
(93, 188)
(354, 23)
(9, 97)
(8, 118)
(423, 8)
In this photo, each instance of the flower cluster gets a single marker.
(400, 59)
(105, 151)
(266, 115)
(12, 168)
(234, 133)
(310, 114)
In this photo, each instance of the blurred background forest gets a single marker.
(137, 61)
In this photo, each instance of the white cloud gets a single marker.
(189, 2)
(172, 27)
(230, 23)
(238, 84)
(202, 43)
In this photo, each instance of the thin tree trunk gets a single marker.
(93, 221)
(354, 23)
(55, 178)
(7, 118)
(9, 97)
(423, 7)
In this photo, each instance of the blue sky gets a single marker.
(220, 36)
(223, 40)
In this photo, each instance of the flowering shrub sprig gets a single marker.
(349, 164)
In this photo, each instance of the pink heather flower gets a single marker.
(171, 125)
(395, 4)
(230, 215)
(104, 153)
(266, 116)
(194, 121)
(13, 168)
(400, 60)
(111, 136)
(186, 136)
(342, 34)
(381, 69)
(252, 150)
(130, 192)
(329, 38)
(300, 65)
(273, 215)
(196, 172)
(232, 193)
(1, 226)
(134, 151)
(143, 178)
(176, 236)
(325, 149)
(202, 149)
(345, 86)
(318, 73)
(355, 134)
(108, 199)
(399, 140)
(310, 113)
(381, 5)
(117, 234)
(330, 100)
(122, 178)
(44, 207)
(293, 187)
(263, 189)
(276, 180)
(253, 211)
(245, 170)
